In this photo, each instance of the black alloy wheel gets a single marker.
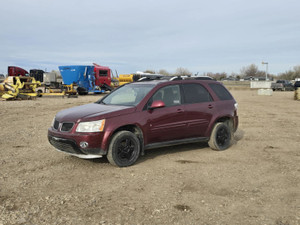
(220, 138)
(124, 149)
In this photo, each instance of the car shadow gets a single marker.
(102, 160)
(153, 153)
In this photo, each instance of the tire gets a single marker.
(82, 91)
(40, 93)
(124, 149)
(220, 138)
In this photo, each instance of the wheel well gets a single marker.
(227, 120)
(136, 130)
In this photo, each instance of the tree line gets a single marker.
(245, 72)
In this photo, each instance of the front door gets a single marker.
(167, 123)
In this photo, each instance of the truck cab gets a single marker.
(102, 75)
(17, 71)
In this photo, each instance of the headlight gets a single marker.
(236, 106)
(93, 126)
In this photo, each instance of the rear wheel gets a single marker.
(82, 91)
(124, 149)
(40, 93)
(220, 138)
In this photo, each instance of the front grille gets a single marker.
(66, 126)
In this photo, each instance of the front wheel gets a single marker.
(124, 149)
(220, 138)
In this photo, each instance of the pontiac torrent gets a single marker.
(144, 115)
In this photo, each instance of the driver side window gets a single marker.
(170, 95)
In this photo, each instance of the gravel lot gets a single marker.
(256, 181)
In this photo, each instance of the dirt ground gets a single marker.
(256, 181)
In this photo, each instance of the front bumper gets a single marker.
(70, 145)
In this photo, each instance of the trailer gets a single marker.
(52, 84)
(89, 78)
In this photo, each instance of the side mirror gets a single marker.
(157, 104)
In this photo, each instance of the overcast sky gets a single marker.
(131, 35)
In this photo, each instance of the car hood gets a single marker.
(93, 111)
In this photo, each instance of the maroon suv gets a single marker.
(145, 115)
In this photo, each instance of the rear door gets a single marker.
(199, 108)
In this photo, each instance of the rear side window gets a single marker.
(195, 93)
(221, 92)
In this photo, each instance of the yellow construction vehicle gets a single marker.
(62, 90)
(125, 78)
(128, 78)
(18, 87)
(114, 82)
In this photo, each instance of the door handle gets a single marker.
(179, 110)
(210, 106)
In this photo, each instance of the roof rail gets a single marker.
(185, 77)
(176, 78)
(143, 79)
(200, 78)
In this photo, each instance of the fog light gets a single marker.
(84, 144)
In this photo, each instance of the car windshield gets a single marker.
(128, 95)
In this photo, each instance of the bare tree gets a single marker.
(252, 71)
(164, 72)
(217, 76)
(291, 74)
(182, 71)
(150, 71)
(297, 71)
